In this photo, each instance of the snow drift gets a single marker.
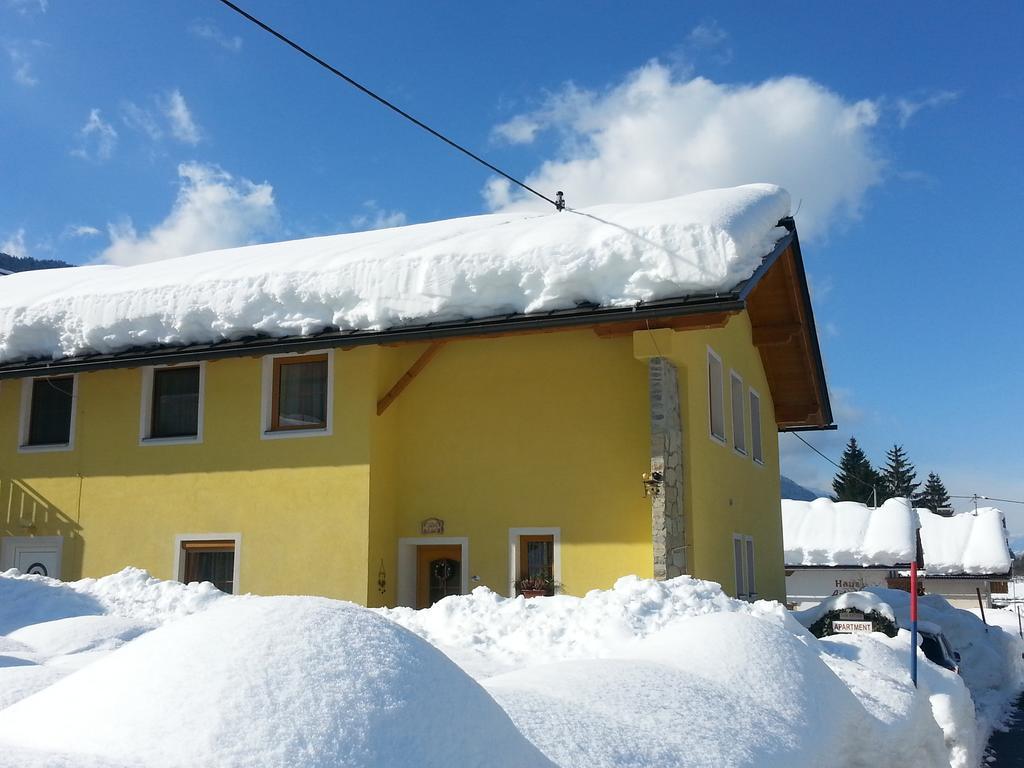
(148, 673)
(272, 681)
(610, 255)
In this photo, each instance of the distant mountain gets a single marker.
(793, 490)
(1017, 545)
(27, 263)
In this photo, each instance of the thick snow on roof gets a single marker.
(611, 255)
(968, 543)
(826, 532)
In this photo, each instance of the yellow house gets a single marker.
(396, 465)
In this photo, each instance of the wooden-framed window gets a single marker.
(537, 560)
(716, 396)
(48, 412)
(211, 560)
(535, 553)
(299, 396)
(756, 447)
(172, 403)
(739, 417)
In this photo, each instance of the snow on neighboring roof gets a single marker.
(968, 543)
(826, 532)
(609, 255)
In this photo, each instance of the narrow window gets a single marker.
(739, 420)
(536, 564)
(175, 404)
(755, 428)
(738, 557)
(716, 396)
(751, 587)
(50, 411)
(212, 561)
(300, 393)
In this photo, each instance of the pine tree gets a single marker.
(934, 494)
(899, 476)
(856, 477)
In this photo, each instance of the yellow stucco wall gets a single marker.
(542, 430)
(725, 492)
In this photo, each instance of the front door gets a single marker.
(438, 573)
(39, 555)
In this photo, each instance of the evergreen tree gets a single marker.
(856, 477)
(899, 476)
(934, 494)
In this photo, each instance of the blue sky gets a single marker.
(141, 130)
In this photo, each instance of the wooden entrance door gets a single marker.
(438, 573)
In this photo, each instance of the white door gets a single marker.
(32, 554)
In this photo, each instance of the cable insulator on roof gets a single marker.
(559, 201)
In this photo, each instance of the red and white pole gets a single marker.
(913, 621)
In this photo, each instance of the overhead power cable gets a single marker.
(988, 498)
(558, 202)
(826, 458)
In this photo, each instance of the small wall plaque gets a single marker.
(432, 526)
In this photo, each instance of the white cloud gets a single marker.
(183, 127)
(206, 30)
(82, 230)
(213, 210)
(141, 119)
(97, 138)
(377, 218)
(708, 37)
(521, 129)
(907, 108)
(21, 64)
(656, 135)
(14, 244)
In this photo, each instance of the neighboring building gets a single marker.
(392, 416)
(835, 547)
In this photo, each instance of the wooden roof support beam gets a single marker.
(414, 370)
(775, 335)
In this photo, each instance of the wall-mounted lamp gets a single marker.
(652, 484)
(382, 578)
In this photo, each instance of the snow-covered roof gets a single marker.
(826, 532)
(608, 255)
(968, 543)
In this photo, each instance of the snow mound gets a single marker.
(826, 532)
(610, 255)
(969, 543)
(487, 633)
(863, 601)
(271, 681)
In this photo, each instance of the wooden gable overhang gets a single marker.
(778, 303)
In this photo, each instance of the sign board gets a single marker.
(432, 526)
(851, 627)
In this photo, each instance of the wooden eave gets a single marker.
(782, 329)
(775, 296)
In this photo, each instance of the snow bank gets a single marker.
(272, 681)
(826, 532)
(611, 255)
(863, 601)
(148, 673)
(487, 633)
(968, 543)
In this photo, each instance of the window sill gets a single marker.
(739, 452)
(49, 448)
(716, 439)
(281, 434)
(170, 440)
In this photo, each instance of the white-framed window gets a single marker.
(213, 557)
(172, 404)
(743, 566)
(532, 553)
(756, 446)
(48, 413)
(298, 395)
(739, 418)
(716, 397)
